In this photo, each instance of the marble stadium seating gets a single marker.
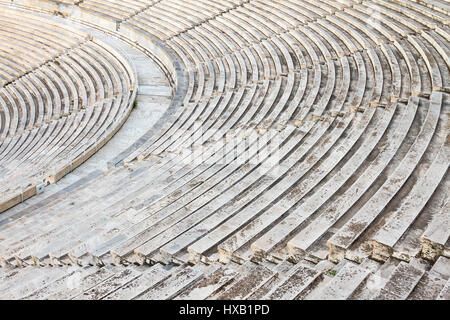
(306, 156)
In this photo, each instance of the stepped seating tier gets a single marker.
(306, 156)
(67, 95)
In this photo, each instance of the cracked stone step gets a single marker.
(401, 283)
(445, 293)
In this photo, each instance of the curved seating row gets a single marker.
(285, 281)
(62, 95)
(305, 133)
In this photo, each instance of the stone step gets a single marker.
(250, 278)
(295, 285)
(343, 284)
(428, 288)
(445, 292)
(209, 285)
(401, 283)
(69, 281)
(83, 282)
(442, 268)
(110, 285)
(173, 286)
(149, 279)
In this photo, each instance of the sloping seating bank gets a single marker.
(307, 156)
(63, 95)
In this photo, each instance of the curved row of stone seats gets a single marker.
(350, 149)
(92, 94)
(119, 10)
(438, 5)
(238, 44)
(59, 108)
(313, 98)
(249, 281)
(36, 45)
(430, 68)
(168, 18)
(285, 281)
(300, 238)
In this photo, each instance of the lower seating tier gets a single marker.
(307, 156)
(64, 96)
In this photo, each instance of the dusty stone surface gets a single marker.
(281, 150)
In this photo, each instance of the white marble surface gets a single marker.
(154, 97)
